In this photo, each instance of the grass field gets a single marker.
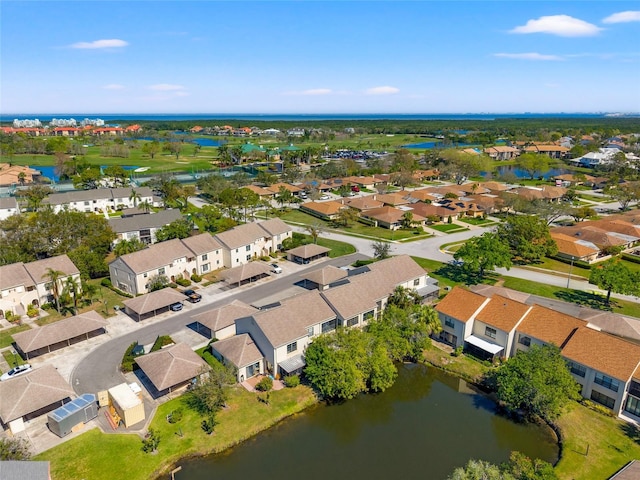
(5, 335)
(448, 228)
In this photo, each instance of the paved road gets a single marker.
(99, 370)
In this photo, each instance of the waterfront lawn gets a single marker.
(594, 446)
(464, 366)
(96, 455)
(5, 335)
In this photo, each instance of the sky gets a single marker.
(319, 56)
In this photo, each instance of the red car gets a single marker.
(355, 188)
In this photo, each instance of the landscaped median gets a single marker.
(96, 456)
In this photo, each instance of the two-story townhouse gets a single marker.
(245, 242)
(544, 326)
(100, 199)
(24, 284)
(173, 259)
(142, 227)
(8, 206)
(456, 312)
(220, 323)
(283, 333)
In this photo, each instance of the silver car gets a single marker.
(15, 372)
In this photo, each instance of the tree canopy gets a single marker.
(614, 276)
(484, 253)
(528, 238)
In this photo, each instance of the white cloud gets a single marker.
(165, 87)
(528, 56)
(561, 25)
(112, 43)
(623, 17)
(113, 86)
(312, 92)
(384, 90)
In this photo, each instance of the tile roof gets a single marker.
(572, 246)
(364, 203)
(240, 350)
(460, 304)
(31, 392)
(603, 352)
(171, 366)
(389, 214)
(225, 316)
(324, 208)
(259, 190)
(549, 326)
(60, 331)
(502, 313)
(395, 198)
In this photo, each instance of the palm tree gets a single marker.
(54, 277)
(146, 206)
(73, 288)
(135, 197)
(22, 177)
(315, 230)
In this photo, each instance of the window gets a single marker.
(205, 257)
(526, 341)
(577, 369)
(352, 321)
(248, 248)
(607, 382)
(448, 322)
(161, 271)
(416, 282)
(292, 347)
(144, 275)
(602, 399)
(328, 326)
(310, 331)
(205, 267)
(248, 257)
(633, 406)
(490, 332)
(369, 315)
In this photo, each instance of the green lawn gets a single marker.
(448, 228)
(558, 266)
(338, 249)
(96, 456)
(12, 359)
(5, 335)
(477, 221)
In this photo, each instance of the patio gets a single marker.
(250, 383)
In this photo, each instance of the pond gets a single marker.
(519, 173)
(49, 171)
(425, 426)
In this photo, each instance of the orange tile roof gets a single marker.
(460, 304)
(325, 208)
(569, 246)
(502, 313)
(603, 352)
(548, 325)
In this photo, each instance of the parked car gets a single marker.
(193, 296)
(275, 268)
(324, 197)
(175, 307)
(15, 372)
(355, 188)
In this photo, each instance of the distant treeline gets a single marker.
(498, 127)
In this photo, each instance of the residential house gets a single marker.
(8, 206)
(423, 195)
(391, 218)
(17, 174)
(601, 238)
(553, 151)
(394, 199)
(325, 210)
(219, 323)
(142, 227)
(502, 152)
(456, 312)
(261, 192)
(360, 181)
(367, 202)
(432, 212)
(174, 259)
(246, 242)
(242, 353)
(575, 249)
(100, 200)
(24, 284)
(275, 188)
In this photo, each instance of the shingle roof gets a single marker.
(8, 202)
(359, 295)
(225, 316)
(460, 304)
(274, 226)
(603, 352)
(398, 269)
(171, 366)
(326, 275)
(203, 243)
(156, 256)
(31, 392)
(60, 331)
(15, 275)
(153, 301)
(245, 272)
(138, 222)
(290, 321)
(62, 263)
(309, 250)
(502, 313)
(549, 325)
(240, 350)
(241, 235)
(324, 208)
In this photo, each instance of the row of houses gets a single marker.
(199, 254)
(495, 326)
(70, 131)
(101, 200)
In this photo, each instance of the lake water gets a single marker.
(50, 171)
(425, 426)
(518, 172)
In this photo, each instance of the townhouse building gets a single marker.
(8, 206)
(100, 200)
(142, 227)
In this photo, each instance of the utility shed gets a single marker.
(127, 405)
(63, 420)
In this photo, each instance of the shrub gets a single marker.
(151, 441)
(173, 285)
(209, 423)
(264, 385)
(32, 311)
(48, 306)
(128, 359)
(362, 263)
(175, 416)
(596, 407)
(450, 220)
(183, 282)
(106, 282)
(458, 351)
(161, 341)
(292, 381)
(10, 316)
(265, 398)
(196, 278)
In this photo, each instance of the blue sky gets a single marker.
(319, 57)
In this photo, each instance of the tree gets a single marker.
(15, 448)
(581, 213)
(21, 178)
(407, 220)
(345, 216)
(614, 276)
(134, 197)
(536, 382)
(315, 230)
(528, 238)
(124, 247)
(533, 163)
(519, 467)
(88, 179)
(117, 174)
(73, 289)
(484, 253)
(625, 194)
(381, 250)
(180, 228)
(35, 194)
(184, 193)
(479, 470)
(550, 211)
(248, 199)
(150, 441)
(208, 396)
(151, 148)
(146, 206)
(54, 277)
(157, 282)
(283, 196)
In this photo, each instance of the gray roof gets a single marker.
(225, 316)
(358, 296)
(326, 275)
(8, 202)
(24, 470)
(96, 194)
(154, 301)
(308, 251)
(249, 232)
(15, 275)
(156, 256)
(275, 226)
(203, 243)
(245, 272)
(291, 320)
(171, 366)
(147, 220)
(60, 331)
(240, 350)
(62, 263)
(31, 392)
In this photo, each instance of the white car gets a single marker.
(15, 372)
(324, 197)
(275, 268)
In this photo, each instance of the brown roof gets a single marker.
(309, 250)
(15, 275)
(359, 295)
(444, 189)
(595, 235)
(203, 243)
(274, 226)
(324, 208)
(570, 246)
(154, 301)
(423, 195)
(495, 186)
(502, 313)
(240, 350)
(171, 366)
(397, 270)
(260, 191)
(38, 269)
(428, 210)
(603, 352)
(31, 392)
(275, 188)
(60, 331)
(241, 235)
(245, 272)
(225, 316)
(326, 275)
(389, 214)
(156, 256)
(395, 198)
(549, 326)
(500, 149)
(290, 321)
(364, 203)
(460, 304)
